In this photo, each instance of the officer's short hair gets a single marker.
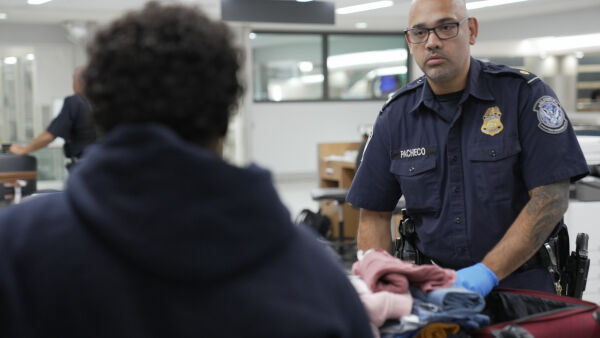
(168, 64)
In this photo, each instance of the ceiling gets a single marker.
(394, 18)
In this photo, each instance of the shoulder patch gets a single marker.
(494, 68)
(407, 88)
(550, 115)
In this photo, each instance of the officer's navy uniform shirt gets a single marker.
(466, 177)
(74, 125)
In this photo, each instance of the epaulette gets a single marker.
(405, 89)
(494, 68)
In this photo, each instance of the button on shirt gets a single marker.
(465, 179)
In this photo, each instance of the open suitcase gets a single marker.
(526, 314)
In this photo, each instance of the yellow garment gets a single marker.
(438, 330)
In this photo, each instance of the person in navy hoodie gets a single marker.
(155, 235)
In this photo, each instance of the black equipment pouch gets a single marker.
(577, 267)
(405, 246)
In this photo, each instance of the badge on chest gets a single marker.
(492, 122)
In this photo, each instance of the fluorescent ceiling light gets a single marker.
(490, 3)
(361, 25)
(387, 71)
(308, 79)
(3, 16)
(275, 92)
(37, 2)
(366, 58)
(10, 60)
(364, 7)
(566, 43)
(305, 66)
(305, 79)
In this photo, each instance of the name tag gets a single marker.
(413, 152)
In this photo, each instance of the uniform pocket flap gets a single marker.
(412, 167)
(493, 153)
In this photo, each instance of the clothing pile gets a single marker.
(406, 300)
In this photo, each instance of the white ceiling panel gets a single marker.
(392, 18)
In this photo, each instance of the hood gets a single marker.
(174, 209)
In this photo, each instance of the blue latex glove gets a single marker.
(478, 278)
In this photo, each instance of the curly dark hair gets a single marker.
(168, 64)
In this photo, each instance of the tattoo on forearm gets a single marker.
(547, 205)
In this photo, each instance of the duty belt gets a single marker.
(545, 257)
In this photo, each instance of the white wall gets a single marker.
(567, 22)
(284, 136)
(53, 69)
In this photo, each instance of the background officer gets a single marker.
(482, 153)
(73, 124)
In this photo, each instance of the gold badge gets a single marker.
(491, 121)
(524, 72)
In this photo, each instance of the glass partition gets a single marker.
(588, 83)
(366, 66)
(292, 66)
(287, 66)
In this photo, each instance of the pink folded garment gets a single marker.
(383, 272)
(385, 305)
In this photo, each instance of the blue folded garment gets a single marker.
(456, 298)
(450, 305)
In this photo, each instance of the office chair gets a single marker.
(18, 177)
(338, 196)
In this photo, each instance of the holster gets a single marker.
(575, 271)
(570, 271)
(405, 246)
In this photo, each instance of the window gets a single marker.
(16, 91)
(287, 66)
(17, 112)
(292, 66)
(588, 83)
(366, 66)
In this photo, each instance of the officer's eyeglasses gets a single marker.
(443, 31)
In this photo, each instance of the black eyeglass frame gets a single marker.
(429, 30)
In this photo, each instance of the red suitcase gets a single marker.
(525, 313)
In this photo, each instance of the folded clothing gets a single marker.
(438, 330)
(383, 272)
(456, 298)
(383, 305)
(450, 305)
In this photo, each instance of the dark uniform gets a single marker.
(466, 176)
(74, 125)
